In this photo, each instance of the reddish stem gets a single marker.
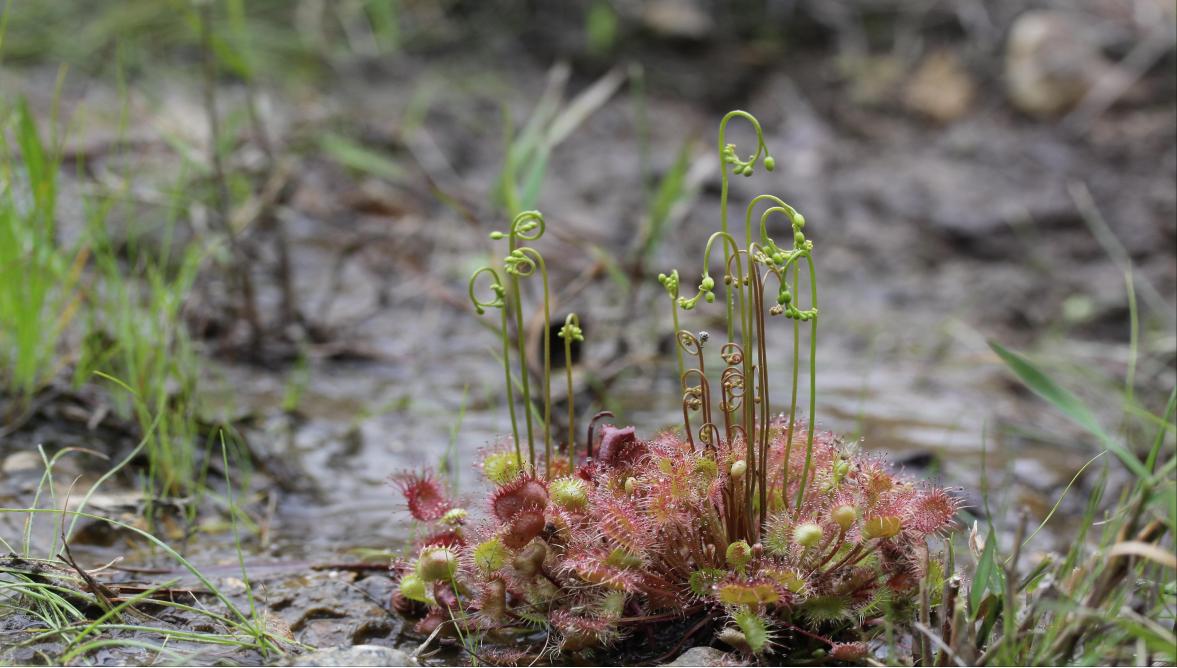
(813, 636)
(592, 424)
(661, 618)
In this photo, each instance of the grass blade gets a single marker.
(986, 567)
(1069, 404)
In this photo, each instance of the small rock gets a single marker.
(941, 88)
(1052, 59)
(22, 461)
(677, 19)
(700, 656)
(359, 655)
(873, 80)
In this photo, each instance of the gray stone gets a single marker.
(19, 462)
(359, 655)
(700, 656)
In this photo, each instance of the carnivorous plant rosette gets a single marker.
(755, 528)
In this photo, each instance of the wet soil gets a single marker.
(930, 240)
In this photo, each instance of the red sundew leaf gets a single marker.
(525, 493)
(619, 446)
(448, 538)
(424, 495)
(523, 527)
(849, 651)
(622, 521)
(932, 511)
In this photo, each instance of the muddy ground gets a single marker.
(933, 235)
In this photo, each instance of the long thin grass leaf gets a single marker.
(1069, 404)
(986, 566)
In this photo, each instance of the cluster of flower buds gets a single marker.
(744, 167)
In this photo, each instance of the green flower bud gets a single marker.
(769, 163)
(739, 468)
(709, 297)
(841, 469)
(844, 517)
(798, 237)
(739, 554)
(799, 220)
(569, 492)
(496, 235)
(631, 485)
(807, 535)
(707, 284)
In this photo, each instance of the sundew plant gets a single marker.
(748, 525)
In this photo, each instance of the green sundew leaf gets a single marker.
(533, 619)
(702, 580)
(831, 608)
(354, 156)
(1069, 404)
(986, 567)
(755, 630)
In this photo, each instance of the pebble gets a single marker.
(358, 655)
(1052, 59)
(700, 656)
(22, 461)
